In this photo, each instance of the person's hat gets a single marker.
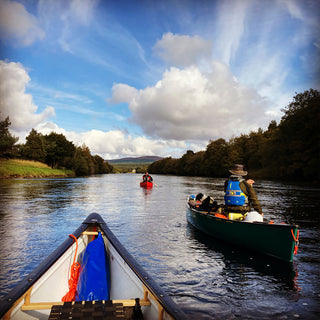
(237, 170)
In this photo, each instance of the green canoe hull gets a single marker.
(274, 240)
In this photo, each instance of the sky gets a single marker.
(139, 78)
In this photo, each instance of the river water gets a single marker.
(206, 278)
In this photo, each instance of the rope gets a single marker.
(296, 239)
(74, 276)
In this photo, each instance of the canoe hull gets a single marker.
(33, 297)
(146, 184)
(274, 240)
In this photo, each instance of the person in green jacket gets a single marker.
(239, 193)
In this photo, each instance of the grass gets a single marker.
(15, 168)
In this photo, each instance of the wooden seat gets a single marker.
(87, 310)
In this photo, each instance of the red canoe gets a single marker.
(146, 184)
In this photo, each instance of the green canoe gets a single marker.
(278, 240)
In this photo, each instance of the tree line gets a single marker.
(289, 150)
(53, 149)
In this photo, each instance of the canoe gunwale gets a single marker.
(8, 302)
(211, 214)
(145, 278)
(26, 283)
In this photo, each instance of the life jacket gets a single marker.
(234, 196)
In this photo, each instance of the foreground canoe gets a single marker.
(39, 295)
(273, 239)
(146, 184)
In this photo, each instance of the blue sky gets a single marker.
(133, 78)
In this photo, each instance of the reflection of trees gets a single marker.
(50, 194)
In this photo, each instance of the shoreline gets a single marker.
(28, 169)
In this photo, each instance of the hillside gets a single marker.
(138, 160)
(133, 164)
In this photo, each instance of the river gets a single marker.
(206, 278)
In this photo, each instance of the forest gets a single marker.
(289, 150)
(53, 149)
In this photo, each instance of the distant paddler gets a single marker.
(147, 177)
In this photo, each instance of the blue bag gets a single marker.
(94, 278)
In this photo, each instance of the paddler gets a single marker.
(240, 196)
(147, 177)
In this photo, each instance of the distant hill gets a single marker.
(145, 159)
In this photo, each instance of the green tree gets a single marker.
(7, 141)
(59, 151)
(85, 164)
(86, 153)
(187, 165)
(255, 150)
(270, 148)
(216, 160)
(166, 165)
(80, 164)
(290, 150)
(34, 148)
(298, 138)
(237, 150)
(101, 166)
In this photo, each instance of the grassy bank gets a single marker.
(14, 168)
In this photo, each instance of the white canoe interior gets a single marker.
(125, 285)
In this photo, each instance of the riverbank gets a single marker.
(16, 168)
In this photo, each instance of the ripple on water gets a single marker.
(206, 277)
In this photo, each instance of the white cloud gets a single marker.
(18, 105)
(283, 53)
(15, 102)
(230, 28)
(18, 24)
(122, 93)
(66, 21)
(83, 10)
(182, 50)
(115, 143)
(190, 105)
(293, 8)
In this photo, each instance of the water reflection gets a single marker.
(206, 277)
(236, 259)
(146, 191)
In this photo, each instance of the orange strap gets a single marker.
(219, 215)
(296, 239)
(74, 275)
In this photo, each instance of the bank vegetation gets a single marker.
(53, 150)
(16, 168)
(289, 150)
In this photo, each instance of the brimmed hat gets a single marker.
(237, 170)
